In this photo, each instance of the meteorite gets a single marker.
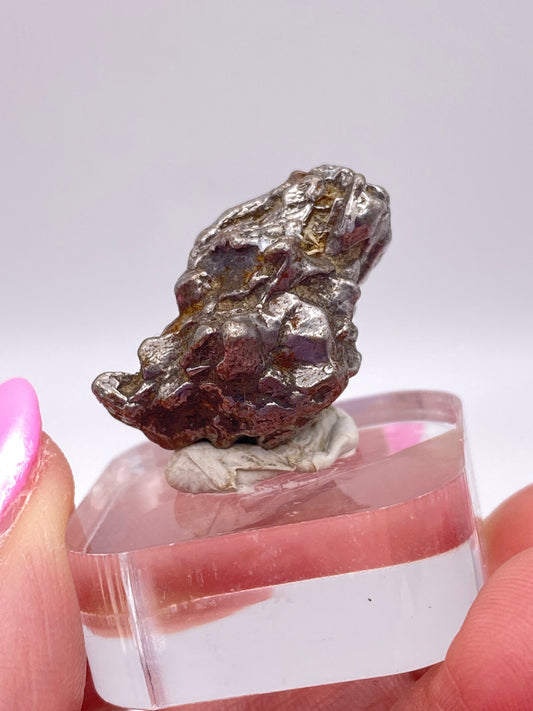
(264, 339)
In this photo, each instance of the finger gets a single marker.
(509, 529)
(363, 695)
(42, 659)
(489, 666)
(91, 700)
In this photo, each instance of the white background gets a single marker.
(127, 126)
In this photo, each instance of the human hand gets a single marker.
(489, 666)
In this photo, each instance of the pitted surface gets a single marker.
(264, 339)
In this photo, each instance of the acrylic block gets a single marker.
(359, 571)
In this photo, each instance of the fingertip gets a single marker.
(41, 646)
(489, 666)
(509, 529)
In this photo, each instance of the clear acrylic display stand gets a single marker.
(362, 570)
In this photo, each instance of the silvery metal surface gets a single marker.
(264, 339)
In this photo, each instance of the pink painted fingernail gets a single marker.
(20, 434)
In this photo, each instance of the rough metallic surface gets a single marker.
(264, 339)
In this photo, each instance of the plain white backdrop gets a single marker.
(128, 126)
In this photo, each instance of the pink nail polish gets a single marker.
(20, 433)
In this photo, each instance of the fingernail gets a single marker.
(20, 434)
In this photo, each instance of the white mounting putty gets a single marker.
(202, 467)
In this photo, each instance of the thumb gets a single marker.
(42, 659)
(489, 666)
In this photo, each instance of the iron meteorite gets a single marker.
(264, 339)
